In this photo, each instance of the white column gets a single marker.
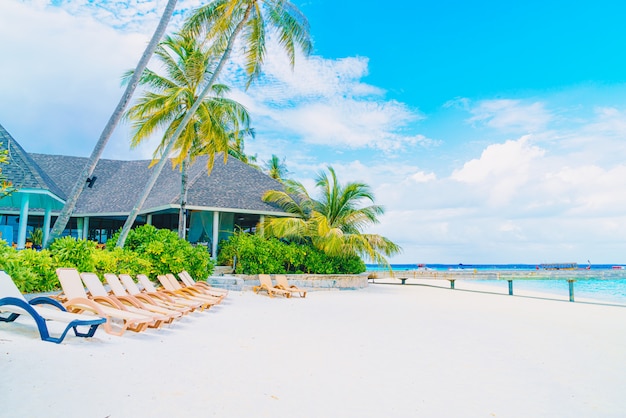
(46, 225)
(216, 234)
(21, 235)
(149, 219)
(79, 227)
(85, 227)
(261, 222)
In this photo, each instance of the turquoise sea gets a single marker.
(605, 290)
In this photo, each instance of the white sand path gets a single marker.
(385, 351)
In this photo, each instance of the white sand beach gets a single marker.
(384, 351)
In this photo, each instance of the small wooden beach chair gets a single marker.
(42, 310)
(187, 294)
(266, 285)
(150, 289)
(76, 300)
(96, 289)
(156, 297)
(186, 278)
(282, 283)
(170, 283)
(143, 302)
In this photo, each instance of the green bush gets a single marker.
(148, 250)
(70, 252)
(32, 271)
(255, 255)
(167, 253)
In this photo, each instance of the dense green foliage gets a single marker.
(5, 185)
(32, 271)
(332, 223)
(153, 251)
(166, 252)
(255, 254)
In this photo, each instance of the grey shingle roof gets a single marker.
(22, 170)
(234, 185)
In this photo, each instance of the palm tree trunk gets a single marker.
(90, 166)
(182, 216)
(164, 157)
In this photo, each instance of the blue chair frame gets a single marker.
(93, 324)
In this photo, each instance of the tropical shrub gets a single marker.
(70, 252)
(333, 223)
(166, 252)
(32, 271)
(149, 251)
(255, 254)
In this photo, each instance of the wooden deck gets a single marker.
(470, 274)
(571, 276)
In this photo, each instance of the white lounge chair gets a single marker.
(13, 302)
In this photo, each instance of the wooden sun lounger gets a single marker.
(143, 302)
(266, 285)
(156, 298)
(118, 319)
(169, 282)
(96, 289)
(179, 298)
(13, 302)
(189, 281)
(283, 283)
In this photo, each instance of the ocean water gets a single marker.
(604, 290)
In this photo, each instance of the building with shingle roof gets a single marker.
(217, 204)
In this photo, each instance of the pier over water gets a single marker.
(508, 275)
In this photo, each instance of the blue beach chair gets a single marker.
(13, 302)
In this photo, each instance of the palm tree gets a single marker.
(335, 222)
(236, 147)
(221, 22)
(276, 168)
(70, 203)
(6, 188)
(169, 98)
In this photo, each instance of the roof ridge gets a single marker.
(25, 170)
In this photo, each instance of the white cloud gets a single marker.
(511, 115)
(324, 102)
(62, 80)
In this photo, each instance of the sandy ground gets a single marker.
(385, 351)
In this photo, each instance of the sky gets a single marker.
(491, 132)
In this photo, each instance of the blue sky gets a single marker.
(492, 132)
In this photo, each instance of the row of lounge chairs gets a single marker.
(124, 307)
(282, 287)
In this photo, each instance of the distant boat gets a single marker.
(559, 266)
(618, 267)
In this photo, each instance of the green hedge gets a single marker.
(255, 254)
(149, 251)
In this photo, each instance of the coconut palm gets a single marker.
(276, 168)
(221, 22)
(335, 222)
(87, 171)
(168, 99)
(5, 186)
(236, 147)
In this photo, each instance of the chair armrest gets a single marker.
(43, 300)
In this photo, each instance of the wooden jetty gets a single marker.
(571, 276)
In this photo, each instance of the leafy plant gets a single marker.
(166, 252)
(36, 236)
(69, 252)
(255, 254)
(32, 271)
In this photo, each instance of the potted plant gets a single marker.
(36, 237)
